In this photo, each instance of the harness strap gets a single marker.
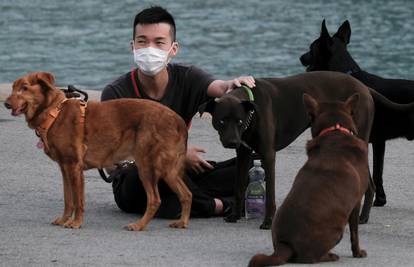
(134, 83)
(42, 130)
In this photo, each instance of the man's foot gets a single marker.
(223, 207)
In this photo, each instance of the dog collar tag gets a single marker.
(40, 144)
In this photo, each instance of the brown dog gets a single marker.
(101, 134)
(327, 191)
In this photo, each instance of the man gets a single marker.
(181, 88)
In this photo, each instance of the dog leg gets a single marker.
(153, 199)
(368, 199)
(284, 253)
(329, 257)
(378, 149)
(68, 198)
(353, 229)
(74, 172)
(240, 185)
(178, 186)
(269, 167)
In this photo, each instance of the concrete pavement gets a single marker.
(31, 196)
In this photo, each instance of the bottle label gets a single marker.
(255, 207)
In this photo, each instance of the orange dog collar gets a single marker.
(337, 127)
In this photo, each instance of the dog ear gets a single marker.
(208, 106)
(311, 105)
(344, 32)
(325, 38)
(46, 76)
(45, 84)
(352, 102)
(324, 30)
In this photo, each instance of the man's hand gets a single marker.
(195, 162)
(237, 82)
(219, 87)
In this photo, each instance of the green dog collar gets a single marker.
(249, 92)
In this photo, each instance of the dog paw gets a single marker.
(333, 256)
(232, 218)
(72, 224)
(179, 224)
(267, 224)
(60, 221)
(135, 227)
(359, 254)
(380, 202)
(363, 220)
(329, 257)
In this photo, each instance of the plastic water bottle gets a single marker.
(256, 192)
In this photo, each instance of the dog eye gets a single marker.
(221, 122)
(240, 122)
(24, 88)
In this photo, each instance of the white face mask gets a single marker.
(151, 60)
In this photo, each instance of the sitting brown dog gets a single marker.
(97, 136)
(327, 191)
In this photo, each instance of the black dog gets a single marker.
(330, 53)
(327, 190)
(275, 118)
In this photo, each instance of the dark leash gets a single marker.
(123, 165)
(73, 92)
(109, 179)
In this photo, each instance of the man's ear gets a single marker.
(311, 105)
(131, 45)
(351, 103)
(175, 48)
(208, 106)
(344, 32)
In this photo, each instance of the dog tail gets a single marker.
(284, 253)
(379, 99)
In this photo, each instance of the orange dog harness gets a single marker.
(43, 128)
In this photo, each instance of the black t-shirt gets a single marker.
(186, 89)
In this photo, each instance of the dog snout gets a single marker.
(7, 105)
(305, 59)
(231, 144)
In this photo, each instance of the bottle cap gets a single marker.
(257, 163)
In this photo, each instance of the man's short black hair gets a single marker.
(154, 14)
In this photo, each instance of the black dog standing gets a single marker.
(331, 54)
(275, 119)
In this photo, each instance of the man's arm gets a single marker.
(108, 93)
(219, 87)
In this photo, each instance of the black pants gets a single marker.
(130, 195)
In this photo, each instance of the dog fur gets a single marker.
(326, 193)
(148, 132)
(279, 118)
(331, 54)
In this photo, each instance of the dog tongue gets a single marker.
(40, 145)
(17, 112)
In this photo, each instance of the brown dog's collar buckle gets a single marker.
(337, 127)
